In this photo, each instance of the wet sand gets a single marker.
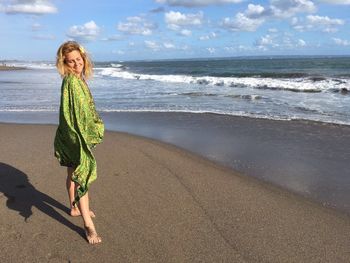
(308, 158)
(155, 203)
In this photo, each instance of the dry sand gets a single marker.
(154, 203)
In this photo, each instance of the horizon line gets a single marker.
(192, 58)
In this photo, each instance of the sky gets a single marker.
(174, 29)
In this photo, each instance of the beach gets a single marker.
(215, 160)
(156, 202)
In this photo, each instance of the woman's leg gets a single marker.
(74, 210)
(83, 209)
(89, 226)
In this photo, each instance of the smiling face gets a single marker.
(75, 62)
(73, 59)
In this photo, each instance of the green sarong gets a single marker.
(80, 129)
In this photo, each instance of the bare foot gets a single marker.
(91, 235)
(76, 212)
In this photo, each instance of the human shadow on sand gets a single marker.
(22, 196)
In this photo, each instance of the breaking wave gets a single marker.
(294, 84)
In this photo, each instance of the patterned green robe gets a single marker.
(80, 129)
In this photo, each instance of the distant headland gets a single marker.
(3, 66)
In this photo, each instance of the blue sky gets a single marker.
(165, 29)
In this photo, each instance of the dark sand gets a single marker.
(155, 203)
(308, 158)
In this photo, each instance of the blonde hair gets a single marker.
(66, 48)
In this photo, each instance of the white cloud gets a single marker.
(152, 45)
(177, 19)
(324, 21)
(118, 52)
(239, 48)
(267, 40)
(341, 42)
(277, 41)
(319, 23)
(193, 3)
(254, 10)
(168, 45)
(87, 32)
(34, 7)
(288, 8)
(241, 22)
(211, 50)
(164, 47)
(301, 43)
(136, 25)
(174, 27)
(185, 32)
(253, 17)
(299, 25)
(209, 36)
(273, 30)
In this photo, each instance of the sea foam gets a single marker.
(289, 84)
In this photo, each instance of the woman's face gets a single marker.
(75, 62)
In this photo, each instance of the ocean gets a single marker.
(279, 88)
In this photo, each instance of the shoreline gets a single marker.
(303, 157)
(155, 203)
(5, 117)
(4, 68)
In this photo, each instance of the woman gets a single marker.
(80, 129)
